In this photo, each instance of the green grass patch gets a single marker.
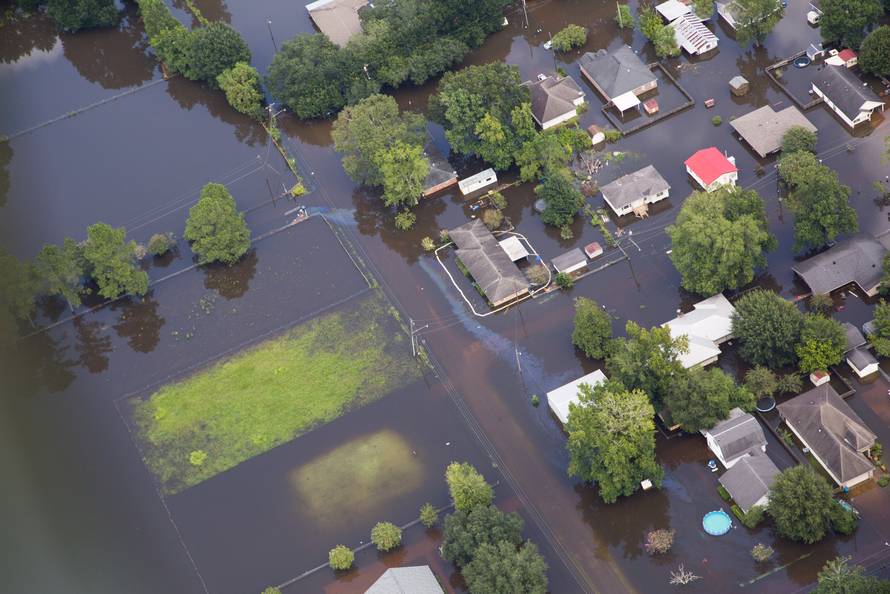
(271, 393)
(724, 494)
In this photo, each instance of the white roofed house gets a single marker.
(706, 327)
(554, 100)
(559, 399)
(692, 35)
(735, 438)
(858, 357)
(846, 95)
(634, 192)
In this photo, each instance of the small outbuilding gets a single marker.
(739, 86)
(711, 169)
(862, 362)
(651, 106)
(441, 174)
(672, 9)
(559, 399)
(571, 261)
(634, 192)
(848, 57)
(749, 481)
(513, 248)
(483, 179)
(597, 136)
(735, 438)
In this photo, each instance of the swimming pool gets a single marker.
(716, 523)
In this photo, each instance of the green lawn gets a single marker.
(269, 394)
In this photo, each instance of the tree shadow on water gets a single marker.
(231, 282)
(140, 324)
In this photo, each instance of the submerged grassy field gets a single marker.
(270, 394)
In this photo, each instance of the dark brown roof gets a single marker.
(488, 263)
(553, 97)
(831, 429)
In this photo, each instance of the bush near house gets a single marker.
(341, 558)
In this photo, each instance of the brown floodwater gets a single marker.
(82, 512)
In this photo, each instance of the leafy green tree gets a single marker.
(156, 18)
(880, 338)
(496, 142)
(647, 360)
(665, 42)
(502, 569)
(569, 38)
(789, 384)
(73, 15)
(341, 558)
(467, 487)
(241, 84)
(838, 577)
(592, 331)
(704, 9)
(386, 536)
(843, 521)
(540, 155)
(624, 17)
(756, 19)
(19, 287)
(212, 50)
(768, 328)
(160, 243)
(822, 343)
(761, 381)
(405, 219)
(845, 21)
(62, 270)
(466, 530)
(216, 229)
(561, 197)
(650, 22)
(365, 131)
(801, 504)
(111, 262)
(701, 398)
(874, 55)
(798, 138)
(612, 439)
(404, 169)
(718, 240)
(428, 515)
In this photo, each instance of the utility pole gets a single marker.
(413, 333)
(525, 12)
(618, 8)
(274, 45)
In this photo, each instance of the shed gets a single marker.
(514, 248)
(596, 134)
(468, 185)
(764, 128)
(692, 35)
(635, 191)
(337, 19)
(848, 57)
(749, 481)
(651, 106)
(862, 362)
(570, 261)
(559, 399)
(735, 438)
(739, 85)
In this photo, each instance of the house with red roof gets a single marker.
(848, 57)
(711, 169)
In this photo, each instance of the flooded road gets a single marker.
(82, 506)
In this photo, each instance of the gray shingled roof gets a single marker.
(488, 263)
(855, 338)
(406, 580)
(616, 72)
(738, 435)
(854, 260)
(763, 128)
(844, 89)
(633, 186)
(861, 358)
(553, 97)
(749, 480)
(831, 430)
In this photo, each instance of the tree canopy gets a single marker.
(592, 331)
(212, 50)
(661, 35)
(647, 360)
(561, 198)
(404, 169)
(569, 38)
(801, 504)
(838, 577)
(612, 439)
(768, 328)
(466, 530)
(845, 21)
(822, 343)
(241, 84)
(718, 240)
(761, 381)
(73, 15)
(880, 338)
(112, 262)
(468, 488)
(19, 287)
(700, 398)
(216, 229)
(501, 568)
(62, 271)
(874, 55)
(756, 19)
(798, 138)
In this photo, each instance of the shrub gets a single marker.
(468, 488)
(386, 536)
(821, 303)
(565, 232)
(843, 521)
(428, 244)
(624, 18)
(724, 494)
(216, 228)
(884, 481)
(571, 37)
(716, 120)
(612, 135)
(536, 401)
(492, 218)
(497, 200)
(537, 274)
(761, 552)
(737, 512)
(405, 219)
(659, 541)
(428, 515)
(753, 517)
(790, 384)
(341, 558)
(564, 281)
(877, 451)
(443, 235)
(160, 243)
(271, 590)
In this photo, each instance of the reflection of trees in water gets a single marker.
(140, 324)
(188, 94)
(35, 363)
(114, 58)
(231, 282)
(5, 160)
(213, 10)
(23, 34)
(91, 345)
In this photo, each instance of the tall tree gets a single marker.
(592, 331)
(798, 138)
(880, 338)
(768, 328)
(502, 569)
(216, 229)
(468, 488)
(874, 55)
(404, 168)
(561, 197)
(112, 262)
(822, 343)
(701, 398)
(241, 84)
(62, 270)
(845, 21)
(718, 240)
(761, 381)
(612, 439)
(838, 577)
(466, 530)
(73, 15)
(366, 130)
(756, 19)
(212, 50)
(801, 504)
(704, 9)
(647, 360)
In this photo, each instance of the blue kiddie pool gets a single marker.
(716, 523)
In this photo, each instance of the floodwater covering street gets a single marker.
(95, 133)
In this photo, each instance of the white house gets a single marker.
(706, 327)
(735, 438)
(634, 192)
(559, 399)
(672, 10)
(468, 185)
(692, 35)
(711, 169)
(862, 362)
(555, 99)
(846, 95)
(750, 480)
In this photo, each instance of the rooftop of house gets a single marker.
(491, 268)
(338, 19)
(706, 325)
(402, 580)
(855, 260)
(616, 72)
(692, 34)
(764, 128)
(553, 97)
(629, 188)
(855, 339)
(861, 358)
(559, 399)
(709, 164)
(441, 170)
(845, 90)
(831, 429)
(737, 436)
(569, 259)
(672, 9)
(750, 479)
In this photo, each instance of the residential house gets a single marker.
(857, 260)
(337, 19)
(846, 95)
(858, 357)
(711, 169)
(400, 580)
(730, 13)
(672, 10)
(735, 438)
(833, 433)
(750, 480)
(570, 261)
(441, 174)
(559, 399)
(619, 76)
(848, 57)
(483, 179)
(634, 192)
(495, 274)
(555, 99)
(706, 327)
(764, 128)
(692, 35)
